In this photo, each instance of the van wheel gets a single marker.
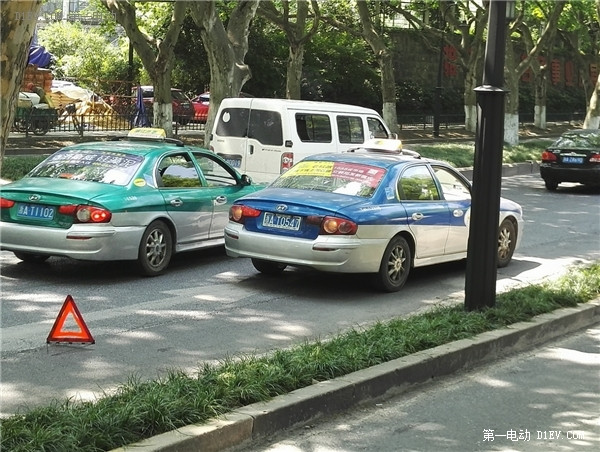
(395, 266)
(156, 249)
(268, 267)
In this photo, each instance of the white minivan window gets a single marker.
(313, 127)
(350, 129)
(262, 125)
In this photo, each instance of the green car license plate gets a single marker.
(279, 221)
(35, 211)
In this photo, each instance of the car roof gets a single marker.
(383, 160)
(133, 146)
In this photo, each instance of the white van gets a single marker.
(265, 137)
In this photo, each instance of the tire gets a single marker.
(551, 184)
(31, 258)
(156, 249)
(395, 266)
(268, 267)
(507, 240)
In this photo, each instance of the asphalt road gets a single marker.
(209, 306)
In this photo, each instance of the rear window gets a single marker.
(578, 141)
(333, 177)
(178, 95)
(103, 166)
(262, 125)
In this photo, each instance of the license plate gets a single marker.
(576, 160)
(276, 220)
(35, 211)
(235, 163)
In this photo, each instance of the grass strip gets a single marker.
(141, 409)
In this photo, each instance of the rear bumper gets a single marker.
(83, 242)
(333, 254)
(570, 174)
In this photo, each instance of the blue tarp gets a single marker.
(140, 119)
(39, 56)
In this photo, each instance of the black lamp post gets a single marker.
(482, 256)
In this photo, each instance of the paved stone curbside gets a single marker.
(381, 381)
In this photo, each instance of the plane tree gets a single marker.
(17, 26)
(155, 50)
(306, 24)
(226, 47)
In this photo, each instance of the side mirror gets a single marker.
(246, 180)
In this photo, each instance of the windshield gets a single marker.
(334, 177)
(104, 166)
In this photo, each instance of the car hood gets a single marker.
(52, 190)
(300, 201)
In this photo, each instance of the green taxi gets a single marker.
(142, 198)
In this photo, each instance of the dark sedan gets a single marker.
(574, 157)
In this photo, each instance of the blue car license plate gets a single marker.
(575, 160)
(287, 222)
(35, 211)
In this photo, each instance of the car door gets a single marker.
(189, 207)
(457, 194)
(427, 214)
(222, 187)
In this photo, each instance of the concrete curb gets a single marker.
(381, 381)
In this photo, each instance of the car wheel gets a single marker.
(156, 249)
(395, 266)
(550, 184)
(268, 267)
(32, 258)
(507, 240)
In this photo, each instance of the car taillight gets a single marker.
(239, 213)
(338, 226)
(548, 156)
(86, 214)
(287, 161)
(595, 158)
(6, 203)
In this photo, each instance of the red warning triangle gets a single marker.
(57, 334)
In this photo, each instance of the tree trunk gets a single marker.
(17, 25)
(386, 66)
(592, 116)
(511, 109)
(157, 55)
(226, 51)
(294, 71)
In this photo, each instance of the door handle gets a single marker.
(219, 200)
(251, 147)
(417, 216)
(176, 202)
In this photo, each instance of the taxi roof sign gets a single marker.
(148, 133)
(384, 144)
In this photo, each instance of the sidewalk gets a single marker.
(545, 399)
(470, 412)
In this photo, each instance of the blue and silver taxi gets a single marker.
(142, 199)
(379, 213)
